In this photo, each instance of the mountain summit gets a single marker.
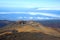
(28, 30)
(30, 26)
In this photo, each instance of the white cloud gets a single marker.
(35, 18)
(50, 8)
(44, 14)
(11, 12)
(30, 17)
(32, 13)
(24, 17)
(40, 18)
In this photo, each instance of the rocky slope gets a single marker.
(29, 30)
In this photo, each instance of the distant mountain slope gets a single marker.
(5, 22)
(50, 23)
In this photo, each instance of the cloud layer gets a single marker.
(44, 14)
(33, 15)
(49, 8)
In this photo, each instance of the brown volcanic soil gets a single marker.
(27, 36)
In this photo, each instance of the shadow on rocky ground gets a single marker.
(27, 36)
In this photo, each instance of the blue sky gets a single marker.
(29, 3)
(29, 9)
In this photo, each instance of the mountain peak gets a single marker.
(31, 26)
